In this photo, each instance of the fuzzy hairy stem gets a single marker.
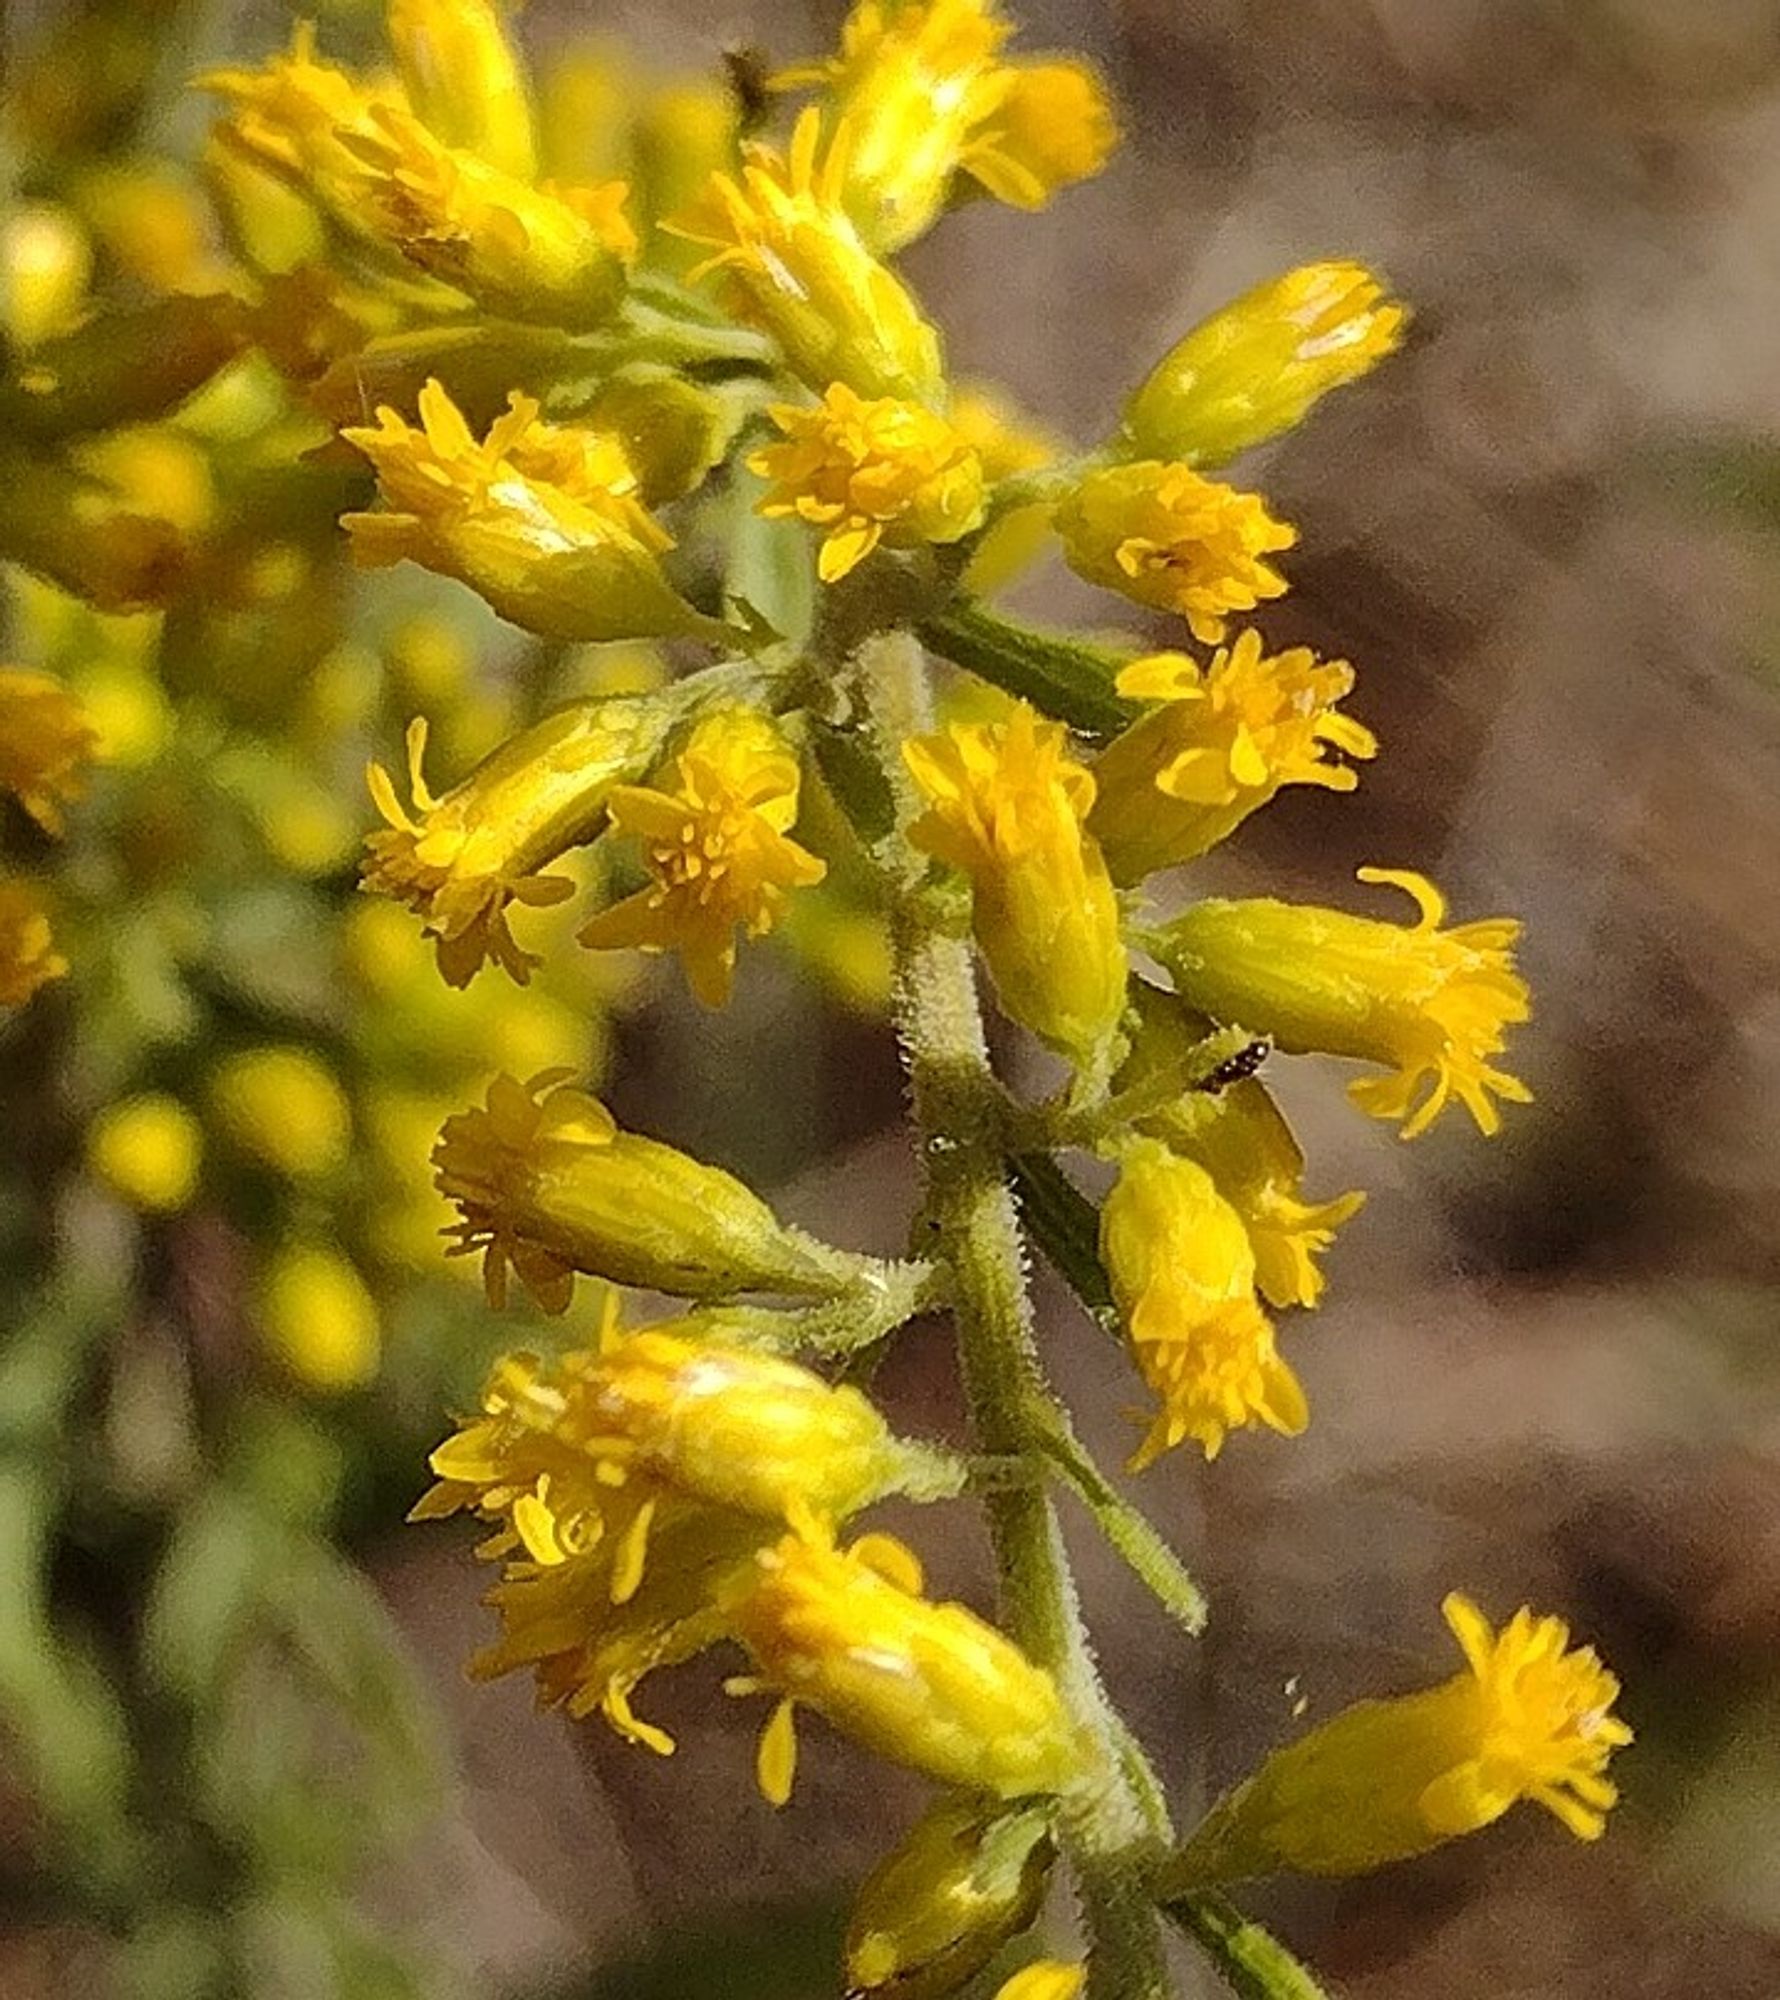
(973, 1225)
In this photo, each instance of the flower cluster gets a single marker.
(724, 421)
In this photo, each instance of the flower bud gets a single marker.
(46, 263)
(286, 1108)
(547, 1183)
(1006, 805)
(147, 1149)
(1385, 1780)
(1257, 367)
(931, 1915)
(319, 1319)
(927, 1685)
(464, 78)
(1431, 1004)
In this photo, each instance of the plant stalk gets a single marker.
(973, 1226)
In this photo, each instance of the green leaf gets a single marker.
(1250, 1961)
(204, 1595)
(1128, 1531)
(855, 777)
(1063, 678)
(1065, 1225)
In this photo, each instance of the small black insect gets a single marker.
(1237, 1068)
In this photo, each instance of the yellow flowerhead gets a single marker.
(28, 956)
(922, 90)
(1225, 740)
(286, 1108)
(318, 1318)
(1433, 1005)
(45, 738)
(796, 267)
(970, 1875)
(588, 1648)
(716, 841)
(1240, 1137)
(1257, 367)
(147, 1149)
(556, 255)
(1183, 1276)
(1528, 1718)
(911, 82)
(461, 861)
(1051, 126)
(547, 1183)
(927, 1685)
(544, 522)
(1007, 804)
(864, 472)
(1164, 536)
(464, 78)
(589, 1450)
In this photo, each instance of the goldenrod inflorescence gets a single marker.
(599, 371)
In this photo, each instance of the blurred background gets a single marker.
(237, 1752)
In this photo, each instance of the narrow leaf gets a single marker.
(1063, 678)
(1250, 1961)
(1065, 1225)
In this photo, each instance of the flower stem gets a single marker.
(973, 1225)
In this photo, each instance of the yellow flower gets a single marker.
(1434, 1005)
(1044, 1979)
(969, 1876)
(45, 738)
(286, 1108)
(1225, 740)
(1240, 1137)
(588, 1650)
(544, 522)
(1257, 367)
(1166, 537)
(868, 472)
(298, 116)
(1183, 1276)
(547, 1183)
(1050, 128)
(797, 268)
(557, 255)
(922, 91)
(910, 83)
(589, 1450)
(320, 1320)
(465, 79)
(1007, 803)
(1528, 1718)
(927, 1685)
(147, 1149)
(716, 842)
(28, 957)
(487, 843)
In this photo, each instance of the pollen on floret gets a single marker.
(1167, 537)
(863, 472)
(715, 834)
